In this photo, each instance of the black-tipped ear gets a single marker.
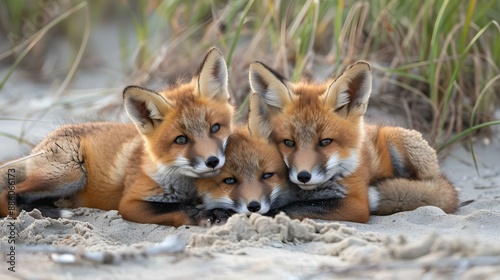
(258, 118)
(146, 108)
(213, 76)
(348, 95)
(269, 85)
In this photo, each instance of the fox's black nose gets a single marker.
(304, 176)
(253, 206)
(212, 162)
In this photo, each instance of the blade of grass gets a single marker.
(413, 90)
(238, 31)
(473, 114)
(434, 49)
(39, 35)
(401, 73)
(17, 138)
(457, 68)
(305, 39)
(21, 159)
(72, 70)
(79, 55)
(468, 19)
(338, 30)
(466, 133)
(480, 97)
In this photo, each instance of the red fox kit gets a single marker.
(146, 170)
(252, 177)
(320, 133)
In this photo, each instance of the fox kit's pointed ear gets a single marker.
(258, 119)
(349, 93)
(146, 108)
(212, 77)
(269, 85)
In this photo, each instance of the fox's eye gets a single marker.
(181, 140)
(325, 142)
(267, 175)
(289, 143)
(215, 128)
(229, 181)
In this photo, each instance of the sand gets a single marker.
(426, 242)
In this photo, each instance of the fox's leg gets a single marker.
(149, 212)
(134, 205)
(312, 209)
(216, 216)
(12, 205)
(390, 196)
(353, 207)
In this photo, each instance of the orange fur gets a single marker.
(253, 170)
(145, 171)
(320, 132)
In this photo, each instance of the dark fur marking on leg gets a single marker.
(307, 207)
(397, 162)
(165, 208)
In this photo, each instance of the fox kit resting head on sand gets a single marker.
(252, 176)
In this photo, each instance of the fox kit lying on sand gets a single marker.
(147, 172)
(320, 133)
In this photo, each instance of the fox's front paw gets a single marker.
(217, 216)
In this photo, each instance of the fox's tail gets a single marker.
(396, 195)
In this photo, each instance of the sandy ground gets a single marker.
(422, 243)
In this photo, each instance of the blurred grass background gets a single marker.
(435, 62)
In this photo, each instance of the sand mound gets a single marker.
(339, 240)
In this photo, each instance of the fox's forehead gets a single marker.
(248, 158)
(197, 116)
(306, 120)
(242, 160)
(193, 120)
